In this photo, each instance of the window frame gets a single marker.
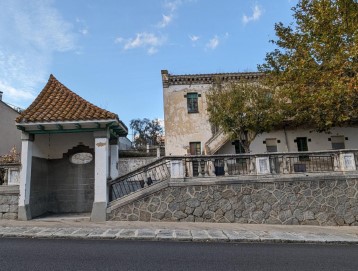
(192, 102)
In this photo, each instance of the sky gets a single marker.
(111, 52)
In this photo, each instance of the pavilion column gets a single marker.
(113, 167)
(24, 212)
(100, 176)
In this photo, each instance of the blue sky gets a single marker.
(111, 52)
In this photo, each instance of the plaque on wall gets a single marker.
(81, 158)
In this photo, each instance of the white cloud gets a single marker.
(213, 43)
(22, 94)
(173, 5)
(30, 32)
(83, 27)
(149, 41)
(194, 38)
(119, 40)
(256, 14)
(165, 20)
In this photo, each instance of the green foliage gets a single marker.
(243, 110)
(315, 66)
(146, 131)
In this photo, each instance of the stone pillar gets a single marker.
(262, 165)
(24, 212)
(113, 167)
(347, 162)
(100, 176)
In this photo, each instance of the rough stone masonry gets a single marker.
(9, 199)
(309, 202)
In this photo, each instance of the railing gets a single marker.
(269, 163)
(200, 166)
(145, 176)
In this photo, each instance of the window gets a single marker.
(302, 143)
(302, 146)
(192, 101)
(195, 148)
(271, 144)
(337, 142)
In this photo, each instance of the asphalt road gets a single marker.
(55, 254)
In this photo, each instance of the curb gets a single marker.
(206, 236)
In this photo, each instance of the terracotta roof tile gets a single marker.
(57, 103)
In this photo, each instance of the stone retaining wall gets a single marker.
(9, 200)
(308, 201)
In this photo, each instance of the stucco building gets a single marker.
(188, 130)
(10, 136)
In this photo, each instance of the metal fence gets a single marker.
(148, 175)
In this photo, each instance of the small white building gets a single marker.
(69, 151)
(188, 130)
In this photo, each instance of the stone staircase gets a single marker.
(216, 142)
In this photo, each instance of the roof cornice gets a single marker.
(196, 79)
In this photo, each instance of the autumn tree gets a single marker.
(316, 63)
(243, 110)
(146, 131)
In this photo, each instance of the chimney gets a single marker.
(1, 95)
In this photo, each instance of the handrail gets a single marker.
(150, 174)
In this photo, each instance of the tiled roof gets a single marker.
(56, 103)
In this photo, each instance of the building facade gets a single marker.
(10, 136)
(188, 130)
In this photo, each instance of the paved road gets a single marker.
(61, 254)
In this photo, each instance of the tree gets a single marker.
(243, 110)
(315, 67)
(146, 131)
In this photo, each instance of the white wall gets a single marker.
(53, 146)
(319, 141)
(10, 136)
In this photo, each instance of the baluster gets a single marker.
(199, 168)
(145, 178)
(190, 168)
(212, 165)
(336, 164)
(273, 164)
(226, 168)
(206, 172)
(252, 165)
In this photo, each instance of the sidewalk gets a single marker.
(79, 227)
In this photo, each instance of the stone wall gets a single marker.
(127, 165)
(304, 201)
(9, 200)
